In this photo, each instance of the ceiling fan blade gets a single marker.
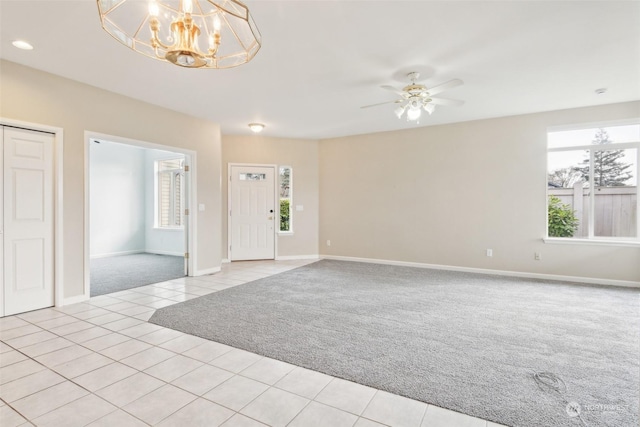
(382, 103)
(394, 90)
(445, 86)
(448, 102)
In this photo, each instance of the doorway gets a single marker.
(137, 214)
(252, 214)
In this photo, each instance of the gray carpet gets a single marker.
(123, 272)
(462, 341)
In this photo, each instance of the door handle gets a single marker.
(270, 217)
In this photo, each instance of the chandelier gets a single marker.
(175, 30)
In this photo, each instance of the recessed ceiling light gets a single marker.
(601, 91)
(21, 44)
(256, 127)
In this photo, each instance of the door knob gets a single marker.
(270, 217)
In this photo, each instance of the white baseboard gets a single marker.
(206, 271)
(74, 300)
(164, 253)
(294, 257)
(589, 280)
(285, 258)
(107, 255)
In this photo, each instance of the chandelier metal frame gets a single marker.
(173, 30)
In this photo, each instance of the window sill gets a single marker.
(169, 228)
(285, 233)
(593, 242)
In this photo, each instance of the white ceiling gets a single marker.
(322, 60)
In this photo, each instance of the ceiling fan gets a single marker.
(416, 97)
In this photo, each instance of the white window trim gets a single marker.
(593, 125)
(592, 239)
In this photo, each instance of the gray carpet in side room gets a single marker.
(119, 273)
(463, 341)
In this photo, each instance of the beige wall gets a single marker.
(444, 194)
(438, 195)
(30, 95)
(302, 156)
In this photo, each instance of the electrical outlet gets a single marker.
(489, 252)
(537, 256)
(328, 242)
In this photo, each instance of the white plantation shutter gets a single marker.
(164, 199)
(177, 199)
(170, 192)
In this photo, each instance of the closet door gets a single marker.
(28, 220)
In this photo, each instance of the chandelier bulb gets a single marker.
(187, 6)
(216, 24)
(154, 9)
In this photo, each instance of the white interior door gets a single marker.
(28, 220)
(252, 215)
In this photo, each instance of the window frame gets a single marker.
(591, 238)
(158, 196)
(290, 198)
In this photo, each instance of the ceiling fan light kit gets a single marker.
(174, 30)
(417, 97)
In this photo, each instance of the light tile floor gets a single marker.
(100, 363)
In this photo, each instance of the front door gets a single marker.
(28, 220)
(252, 216)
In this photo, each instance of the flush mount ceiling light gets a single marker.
(256, 127)
(21, 44)
(174, 30)
(417, 97)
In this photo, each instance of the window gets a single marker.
(592, 183)
(170, 195)
(286, 181)
(253, 176)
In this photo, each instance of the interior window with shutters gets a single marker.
(170, 197)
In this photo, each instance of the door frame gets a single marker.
(191, 180)
(58, 204)
(276, 200)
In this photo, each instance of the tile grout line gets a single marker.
(139, 371)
